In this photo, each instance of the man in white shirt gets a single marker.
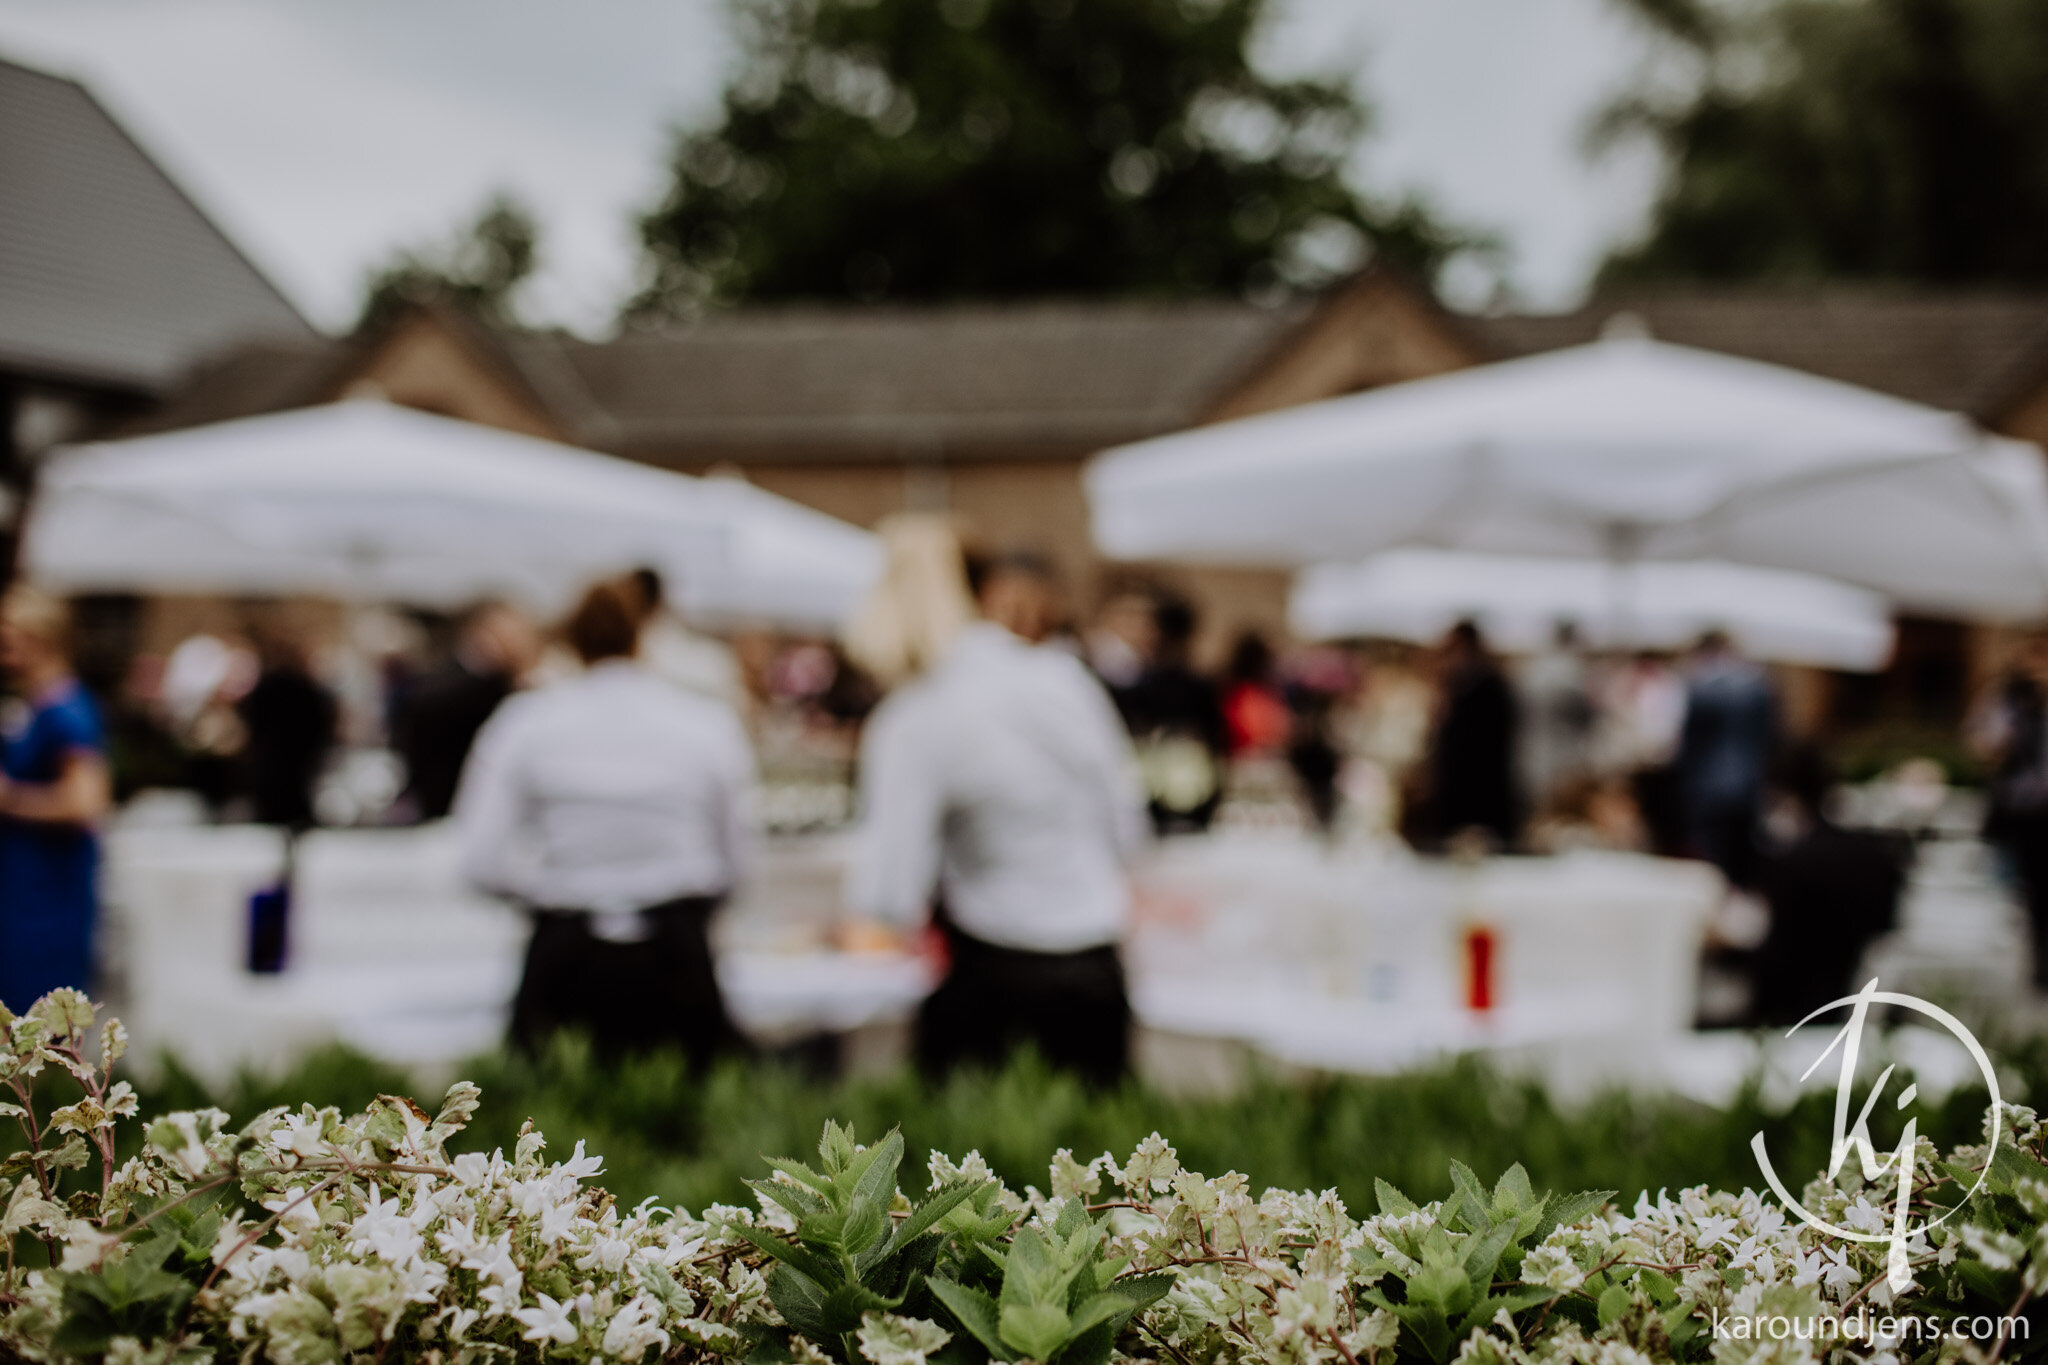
(1003, 781)
(613, 806)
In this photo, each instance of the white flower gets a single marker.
(579, 1166)
(1713, 1229)
(1860, 1217)
(301, 1135)
(499, 1298)
(547, 1322)
(608, 1254)
(634, 1328)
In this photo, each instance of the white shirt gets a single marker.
(610, 791)
(1005, 779)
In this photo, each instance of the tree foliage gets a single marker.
(926, 149)
(1877, 139)
(480, 268)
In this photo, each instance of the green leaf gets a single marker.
(658, 1282)
(2009, 1166)
(1615, 1300)
(974, 1310)
(876, 1181)
(1477, 1206)
(1512, 1190)
(800, 1202)
(801, 1301)
(844, 1303)
(861, 1230)
(1038, 1330)
(1098, 1308)
(1482, 1254)
(811, 1265)
(835, 1147)
(1513, 1300)
(1393, 1203)
(1563, 1210)
(1029, 1271)
(1142, 1291)
(936, 1206)
(802, 1174)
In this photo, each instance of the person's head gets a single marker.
(1715, 643)
(1251, 659)
(646, 590)
(1564, 634)
(279, 646)
(2030, 659)
(1463, 641)
(1805, 776)
(1017, 590)
(35, 635)
(1174, 623)
(496, 637)
(1130, 614)
(605, 624)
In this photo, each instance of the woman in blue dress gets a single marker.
(54, 789)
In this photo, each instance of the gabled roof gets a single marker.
(785, 383)
(1976, 353)
(1063, 379)
(109, 274)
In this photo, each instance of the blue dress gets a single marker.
(48, 873)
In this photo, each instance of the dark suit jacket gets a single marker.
(1830, 894)
(436, 727)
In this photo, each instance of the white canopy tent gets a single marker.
(1517, 601)
(1620, 450)
(366, 501)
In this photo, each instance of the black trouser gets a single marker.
(1071, 1006)
(2026, 843)
(628, 997)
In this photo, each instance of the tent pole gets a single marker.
(1624, 545)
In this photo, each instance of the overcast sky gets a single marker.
(323, 134)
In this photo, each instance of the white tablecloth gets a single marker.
(1344, 960)
(1355, 960)
(392, 953)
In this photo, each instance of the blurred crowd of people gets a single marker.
(1450, 746)
(262, 718)
(1460, 752)
(602, 775)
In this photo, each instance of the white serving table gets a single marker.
(1266, 943)
(1354, 959)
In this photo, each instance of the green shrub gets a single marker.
(312, 1237)
(697, 1140)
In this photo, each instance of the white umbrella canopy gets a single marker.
(1622, 449)
(366, 501)
(1517, 601)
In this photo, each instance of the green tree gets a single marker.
(481, 268)
(928, 149)
(1878, 139)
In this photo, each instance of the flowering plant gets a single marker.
(312, 1237)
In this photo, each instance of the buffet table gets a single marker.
(1267, 945)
